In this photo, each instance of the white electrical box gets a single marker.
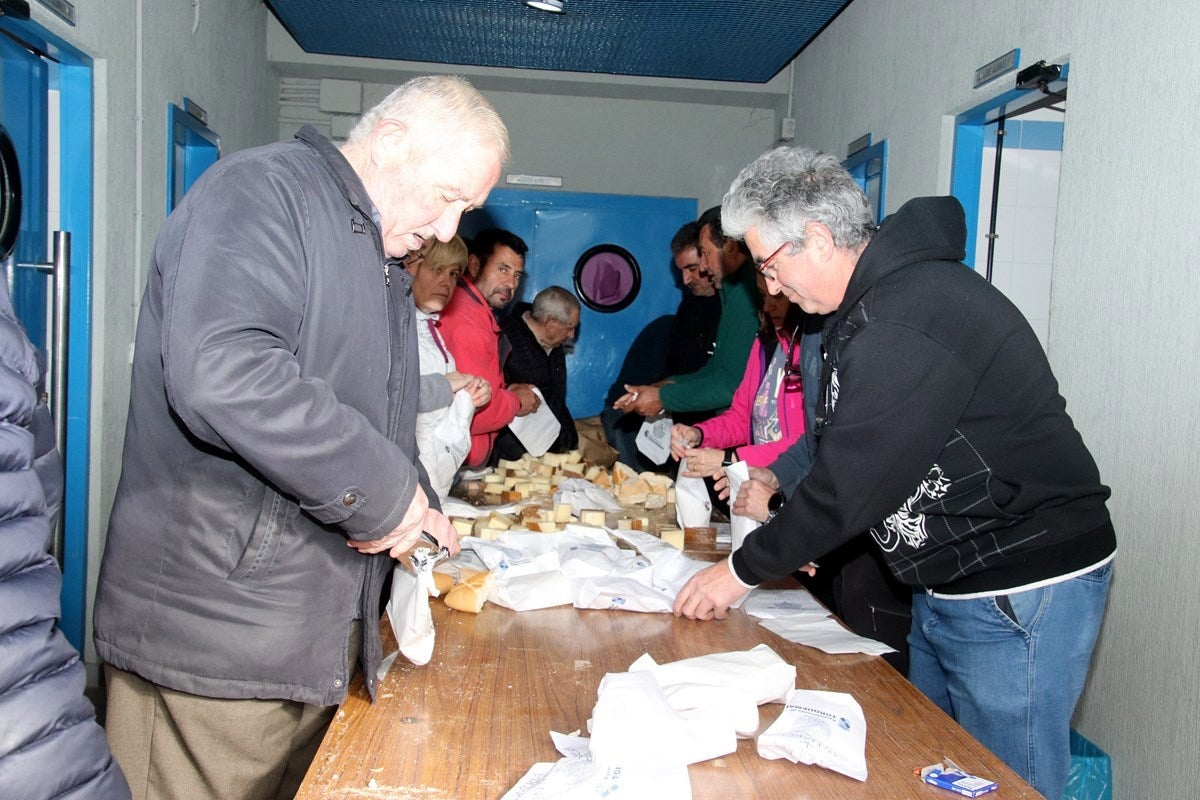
(340, 126)
(340, 97)
(787, 129)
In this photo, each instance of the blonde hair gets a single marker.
(444, 254)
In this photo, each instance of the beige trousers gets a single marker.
(177, 746)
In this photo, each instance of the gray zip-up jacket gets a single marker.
(271, 416)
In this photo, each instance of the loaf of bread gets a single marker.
(633, 491)
(622, 472)
(471, 593)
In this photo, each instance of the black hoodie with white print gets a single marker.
(942, 430)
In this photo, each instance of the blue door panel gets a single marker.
(559, 227)
(25, 83)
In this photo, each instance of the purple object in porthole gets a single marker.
(607, 278)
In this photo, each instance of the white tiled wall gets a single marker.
(1024, 255)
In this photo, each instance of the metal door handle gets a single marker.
(59, 270)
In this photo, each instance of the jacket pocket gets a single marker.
(265, 521)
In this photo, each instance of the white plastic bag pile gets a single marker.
(651, 722)
(584, 567)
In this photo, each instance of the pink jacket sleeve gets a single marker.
(732, 427)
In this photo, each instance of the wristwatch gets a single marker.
(730, 457)
(774, 503)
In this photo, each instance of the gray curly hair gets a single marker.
(786, 188)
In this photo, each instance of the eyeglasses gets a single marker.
(765, 265)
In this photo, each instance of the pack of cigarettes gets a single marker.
(951, 777)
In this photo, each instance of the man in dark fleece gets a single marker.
(943, 433)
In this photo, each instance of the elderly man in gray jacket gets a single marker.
(270, 463)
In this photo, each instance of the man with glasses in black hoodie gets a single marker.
(943, 433)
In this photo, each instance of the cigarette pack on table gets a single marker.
(960, 782)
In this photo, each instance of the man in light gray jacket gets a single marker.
(270, 464)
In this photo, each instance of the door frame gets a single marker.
(969, 141)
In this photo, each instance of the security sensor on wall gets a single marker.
(18, 9)
(1039, 76)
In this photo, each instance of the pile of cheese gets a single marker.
(514, 481)
(529, 518)
(632, 488)
(535, 519)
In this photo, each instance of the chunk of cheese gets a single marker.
(592, 516)
(673, 537)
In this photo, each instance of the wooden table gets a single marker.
(470, 723)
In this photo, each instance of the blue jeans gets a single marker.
(1012, 680)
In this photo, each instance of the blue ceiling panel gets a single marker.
(724, 40)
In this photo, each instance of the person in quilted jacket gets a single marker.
(50, 744)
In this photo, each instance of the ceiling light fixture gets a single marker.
(553, 6)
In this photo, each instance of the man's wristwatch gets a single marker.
(774, 503)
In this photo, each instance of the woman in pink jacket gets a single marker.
(767, 412)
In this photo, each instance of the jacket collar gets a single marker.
(468, 286)
(347, 179)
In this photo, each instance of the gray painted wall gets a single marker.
(599, 133)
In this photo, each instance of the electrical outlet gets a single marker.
(787, 128)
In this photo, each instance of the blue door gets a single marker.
(49, 268)
(559, 228)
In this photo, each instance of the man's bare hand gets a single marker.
(765, 475)
(437, 525)
(407, 534)
(529, 400)
(709, 593)
(752, 500)
(644, 400)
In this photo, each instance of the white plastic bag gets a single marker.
(537, 431)
(693, 508)
(739, 526)
(444, 447)
(408, 611)
(654, 438)
(823, 728)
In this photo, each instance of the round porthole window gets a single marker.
(607, 278)
(10, 195)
